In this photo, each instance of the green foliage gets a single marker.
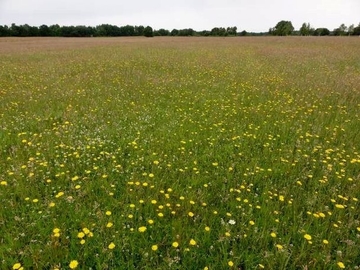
(340, 31)
(282, 28)
(148, 31)
(163, 155)
(306, 29)
(321, 32)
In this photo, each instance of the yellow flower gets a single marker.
(325, 241)
(150, 221)
(153, 201)
(3, 183)
(175, 244)
(108, 213)
(73, 264)
(341, 265)
(81, 235)
(279, 247)
(82, 241)
(307, 237)
(109, 225)
(192, 242)
(273, 234)
(207, 228)
(230, 263)
(340, 206)
(191, 214)
(142, 229)
(16, 266)
(154, 247)
(111, 245)
(52, 204)
(251, 222)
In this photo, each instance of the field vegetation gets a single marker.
(180, 153)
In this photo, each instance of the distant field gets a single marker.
(180, 153)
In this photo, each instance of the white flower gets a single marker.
(232, 222)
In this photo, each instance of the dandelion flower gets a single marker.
(73, 264)
(207, 228)
(154, 247)
(273, 234)
(108, 213)
(191, 214)
(175, 244)
(341, 265)
(325, 241)
(279, 247)
(81, 235)
(192, 242)
(16, 266)
(230, 263)
(142, 229)
(111, 245)
(109, 225)
(3, 183)
(307, 237)
(150, 221)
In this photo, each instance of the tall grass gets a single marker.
(191, 153)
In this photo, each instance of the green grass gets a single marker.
(220, 141)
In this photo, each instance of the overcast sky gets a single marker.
(249, 15)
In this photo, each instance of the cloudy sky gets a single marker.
(249, 15)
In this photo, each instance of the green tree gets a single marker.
(282, 28)
(139, 30)
(350, 30)
(243, 33)
(321, 32)
(174, 32)
(148, 31)
(232, 31)
(4, 31)
(356, 31)
(306, 29)
(340, 31)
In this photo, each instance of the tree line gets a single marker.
(285, 28)
(282, 28)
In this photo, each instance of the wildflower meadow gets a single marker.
(180, 153)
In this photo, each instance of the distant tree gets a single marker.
(55, 30)
(4, 31)
(186, 32)
(356, 31)
(340, 31)
(243, 33)
(174, 32)
(232, 31)
(127, 31)
(306, 30)
(139, 30)
(282, 28)
(162, 32)
(205, 33)
(321, 32)
(148, 31)
(44, 31)
(350, 30)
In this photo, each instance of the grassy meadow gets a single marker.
(180, 153)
